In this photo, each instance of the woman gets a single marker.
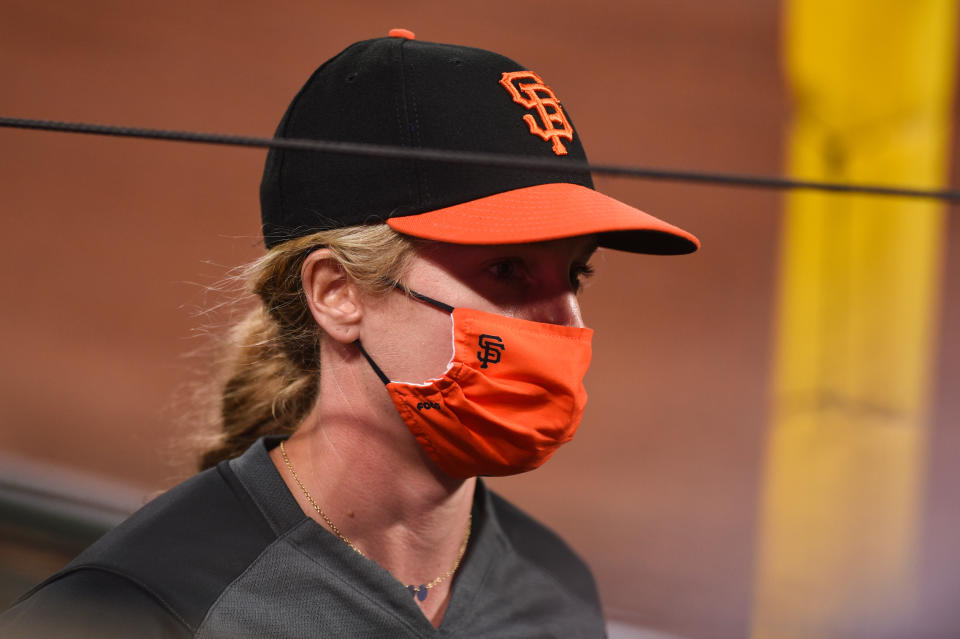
(342, 497)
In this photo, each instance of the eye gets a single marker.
(506, 270)
(578, 273)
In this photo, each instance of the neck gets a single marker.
(369, 476)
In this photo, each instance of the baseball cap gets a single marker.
(400, 91)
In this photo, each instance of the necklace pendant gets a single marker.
(420, 592)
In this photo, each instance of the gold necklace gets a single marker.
(421, 591)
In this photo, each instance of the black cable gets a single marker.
(484, 159)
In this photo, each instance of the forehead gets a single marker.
(566, 250)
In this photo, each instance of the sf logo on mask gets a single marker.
(492, 347)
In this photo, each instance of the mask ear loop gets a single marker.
(423, 298)
(373, 364)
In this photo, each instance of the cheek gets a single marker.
(411, 342)
(429, 353)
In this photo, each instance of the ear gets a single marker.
(333, 298)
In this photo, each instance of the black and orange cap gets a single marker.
(399, 91)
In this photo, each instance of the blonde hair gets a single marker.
(273, 354)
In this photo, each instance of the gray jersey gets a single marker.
(230, 554)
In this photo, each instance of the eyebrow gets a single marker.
(591, 250)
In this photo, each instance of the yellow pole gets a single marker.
(873, 86)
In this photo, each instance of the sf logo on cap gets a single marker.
(528, 90)
(492, 347)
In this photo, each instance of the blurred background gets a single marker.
(771, 447)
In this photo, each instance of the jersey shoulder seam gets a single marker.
(150, 592)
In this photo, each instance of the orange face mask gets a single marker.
(511, 395)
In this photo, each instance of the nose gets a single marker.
(562, 309)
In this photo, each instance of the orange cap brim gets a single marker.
(548, 212)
